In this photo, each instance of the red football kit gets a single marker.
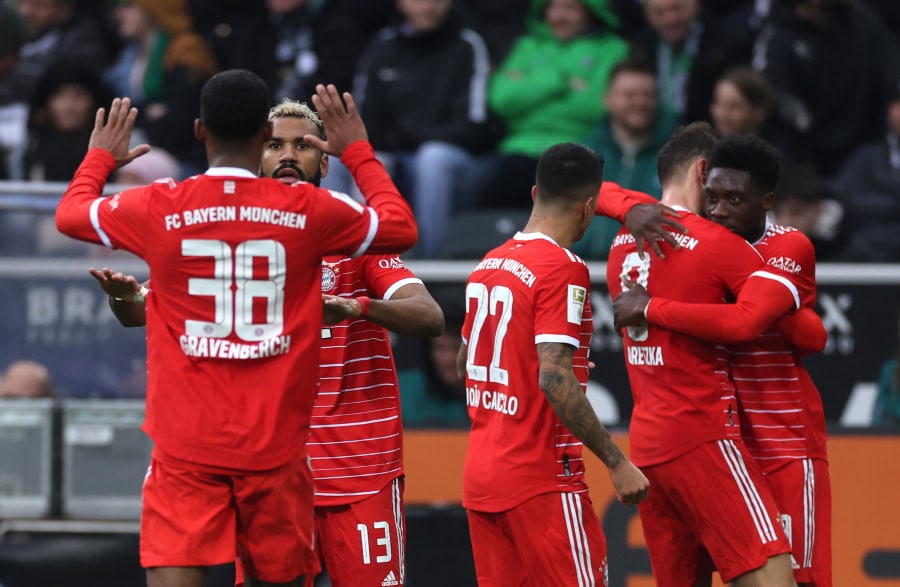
(782, 417)
(522, 459)
(685, 416)
(356, 442)
(233, 336)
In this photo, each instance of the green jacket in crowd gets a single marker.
(549, 92)
(635, 172)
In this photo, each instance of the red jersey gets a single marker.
(782, 417)
(233, 325)
(683, 394)
(527, 291)
(355, 443)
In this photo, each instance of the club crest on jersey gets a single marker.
(329, 275)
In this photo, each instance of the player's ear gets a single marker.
(323, 165)
(702, 169)
(533, 192)
(199, 130)
(768, 201)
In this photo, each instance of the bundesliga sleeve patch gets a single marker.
(576, 298)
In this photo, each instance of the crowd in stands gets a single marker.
(462, 96)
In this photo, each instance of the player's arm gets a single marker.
(762, 300)
(560, 385)
(77, 214)
(804, 331)
(410, 311)
(126, 295)
(643, 216)
(392, 225)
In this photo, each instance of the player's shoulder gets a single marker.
(383, 263)
(787, 249)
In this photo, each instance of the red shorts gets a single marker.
(551, 539)
(709, 509)
(364, 543)
(198, 519)
(802, 491)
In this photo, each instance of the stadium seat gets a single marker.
(472, 234)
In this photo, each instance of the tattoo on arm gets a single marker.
(564, 393)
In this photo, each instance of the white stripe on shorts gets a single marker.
(809, 511)
(577, 539)
(754, 502)
(397, 504)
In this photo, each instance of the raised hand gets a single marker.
(116, 284)
(647, 222)
(343, 124)
(113, 133)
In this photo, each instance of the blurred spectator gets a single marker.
(435, 395)
(690, 50)
(548, 90)
(871, 182)
(61, 119)
(229, 27)
(832, 67)
(499, 22)
(13, 101)
(157, 164)
(25, 379)
(741, 102)
(629, 135)
(421, 90)
(805, 202)
(887, 403)
(162, 68)
(59, 31)
(320, 41)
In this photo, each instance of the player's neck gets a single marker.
(683, 195)
(242, 158)
(559, 229)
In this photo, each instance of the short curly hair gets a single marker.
(288, 108)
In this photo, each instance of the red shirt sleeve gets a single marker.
(559, 302)
(792, 255)
(385, 274)
(761, 301)
(804, 331)
(118, 221)
(614, 201)
(392, 227)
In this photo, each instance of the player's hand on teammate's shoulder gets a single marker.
(116, 283)
(343, 124)
(337, 309)
(647, 223)
(629, 482)
(629, 306)
(113, 132)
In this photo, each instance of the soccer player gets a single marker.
(233, 324)
(781, 413)
(356, 442)
(524, 354)
(710, 507)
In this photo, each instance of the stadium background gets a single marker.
(54, 313)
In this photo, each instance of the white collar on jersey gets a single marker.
(229, 172)
(769, 224)
(533, 236)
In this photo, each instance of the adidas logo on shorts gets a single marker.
(391, 579)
